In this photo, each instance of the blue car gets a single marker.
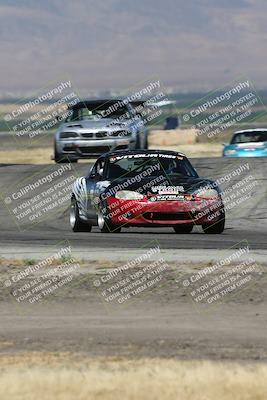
(247, 143)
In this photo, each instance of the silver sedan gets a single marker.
(96, 127)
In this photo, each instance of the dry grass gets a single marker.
(27, 156)
(183, 140)
(172, 137)
(38, 155)
(43, 155)
(195, 149)
(65, 377)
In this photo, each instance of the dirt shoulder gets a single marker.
(40, 151)
(164, 319)
(43, 155)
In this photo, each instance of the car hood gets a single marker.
(147, 185)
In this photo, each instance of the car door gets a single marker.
(93, 183)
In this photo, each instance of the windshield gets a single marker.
(156, 164)
(97, 112)
(248, 137)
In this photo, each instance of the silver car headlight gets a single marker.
(68, 135)
(207, 194)
(128, 195)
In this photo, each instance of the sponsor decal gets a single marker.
(167, 190)
(149, 155)
(176, 197)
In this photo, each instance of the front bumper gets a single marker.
(91, 148)
(163, 213)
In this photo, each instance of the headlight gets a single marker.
(230, 152)
(207, 193)
(67, 135)
(128, 195)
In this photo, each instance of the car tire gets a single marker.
(137, 143)
(183, 228)
(215, 228)
(59, 158)
(146, 142)
(77, 225)
(106, 226)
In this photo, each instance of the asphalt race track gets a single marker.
(246, 224)
(165, 322)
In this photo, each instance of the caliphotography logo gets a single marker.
(133, 166)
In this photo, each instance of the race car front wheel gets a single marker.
(106, 226)
(59, 158)
(215, 228)
(77, 225)
(186, 228)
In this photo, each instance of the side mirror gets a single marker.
(95, 175)
(90, 173)
(98, 175)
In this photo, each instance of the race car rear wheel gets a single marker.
(186, 228)
(137, 143)
(146, 142)
(77, 225)
(106, 226)
(215, 228)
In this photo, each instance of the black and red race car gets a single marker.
(145, 188)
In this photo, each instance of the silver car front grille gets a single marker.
(87, 134)
(102, 134)
(105, 134)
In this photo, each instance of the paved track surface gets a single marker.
(165, 323)
(248, 223)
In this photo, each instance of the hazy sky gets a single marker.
(116, 43)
